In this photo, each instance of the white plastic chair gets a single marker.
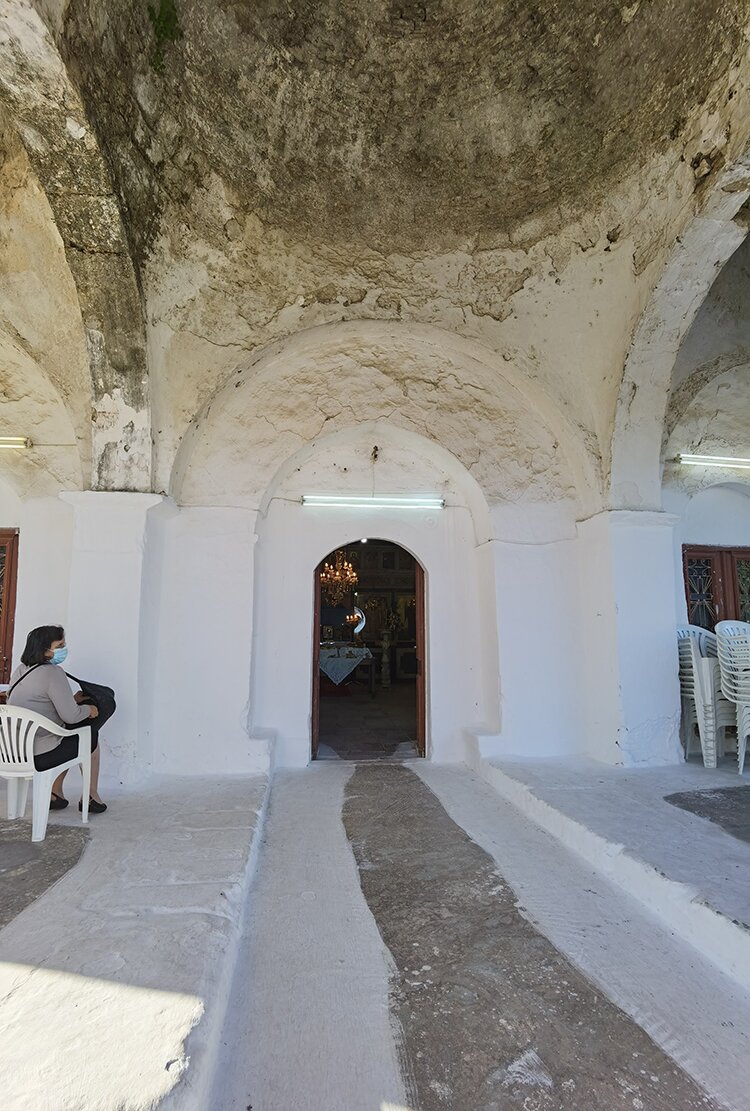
(734, 660)
(703, 703)
(18, 728)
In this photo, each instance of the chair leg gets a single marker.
(23, 795)
(86, 776)
(12, 798)
(40, 805)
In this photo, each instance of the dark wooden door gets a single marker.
(420, 638)
(717, 584)
(315, 715)
(8, 572)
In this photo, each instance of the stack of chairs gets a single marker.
(734, 662)
(704, 703)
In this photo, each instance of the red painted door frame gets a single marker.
(8, 541)
(315, 715)
(419, 584)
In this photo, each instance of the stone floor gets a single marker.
(728, 807)
(27, 870)
(113, 980)
(414, 943)
(355, 726)
(409, 942)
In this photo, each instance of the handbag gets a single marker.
(102, 697)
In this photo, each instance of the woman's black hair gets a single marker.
(40, 641)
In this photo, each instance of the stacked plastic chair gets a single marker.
(703, 703)
(733, 639)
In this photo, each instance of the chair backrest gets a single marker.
(705, 638)
(734, 659)
(692, 640)
(18, 728)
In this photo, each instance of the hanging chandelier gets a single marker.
(337, 578)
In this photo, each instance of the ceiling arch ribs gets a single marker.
(707, 243)
(48, 115)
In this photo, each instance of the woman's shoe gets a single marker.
(94, 806)
(57, 802)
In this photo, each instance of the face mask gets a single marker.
(59, 656)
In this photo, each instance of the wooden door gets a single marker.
(717, 584)
(739, 561)
(8, 571)
(419, 585)
(315, 715)
(704, 586)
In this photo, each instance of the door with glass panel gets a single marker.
(8, 566)
(717, 584)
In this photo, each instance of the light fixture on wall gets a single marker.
(15, 441)
(337, 578)
(715, 461)
(346, 501)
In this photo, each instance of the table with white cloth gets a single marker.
(339, 660)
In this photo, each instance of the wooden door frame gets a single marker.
(315, 713)
(9, 538)
(421, 638)
(420, 584)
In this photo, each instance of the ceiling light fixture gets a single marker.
(715, 461)
(15, 441)
(345, 501)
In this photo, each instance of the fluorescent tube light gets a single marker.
(715, 461)
(346, 501)
(15, 441)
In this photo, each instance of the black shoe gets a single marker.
(57, 802)
(94, 806)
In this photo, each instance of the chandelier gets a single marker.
(337, 578)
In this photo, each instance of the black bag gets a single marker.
(102, 697)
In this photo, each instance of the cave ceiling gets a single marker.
(408, 127)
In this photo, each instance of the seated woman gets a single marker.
(38, 684)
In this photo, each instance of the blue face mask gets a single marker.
(59, 656)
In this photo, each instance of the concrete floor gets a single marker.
(113, 982)
(408, 941)
(466, 962)
(27, 870)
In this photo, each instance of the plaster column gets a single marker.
(629, 686)
(105, 626)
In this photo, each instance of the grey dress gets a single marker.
(47, 691)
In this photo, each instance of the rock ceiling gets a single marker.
(408, 126)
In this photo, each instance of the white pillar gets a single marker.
(630, 690)
(104, 625)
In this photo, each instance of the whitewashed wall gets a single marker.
(44, 558)
(197, 627)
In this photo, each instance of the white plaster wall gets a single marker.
(45, 541)
(629, 689)
(103, 624)
(538, 630)
(198, 614)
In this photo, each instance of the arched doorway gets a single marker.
(368, 665)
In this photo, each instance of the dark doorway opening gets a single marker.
(368, 658)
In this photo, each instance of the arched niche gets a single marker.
(462, 681)
(486, 412)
